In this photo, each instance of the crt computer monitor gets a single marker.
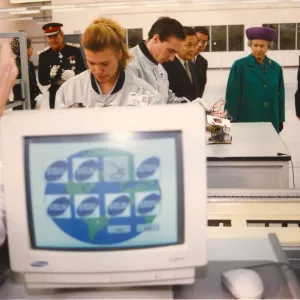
(105, 197)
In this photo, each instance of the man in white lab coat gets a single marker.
(164, 41)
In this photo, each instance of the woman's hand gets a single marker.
(8, 74)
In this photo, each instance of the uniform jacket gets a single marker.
(201, 73)
(33, 86)
(69, 58)
(252, 96)
(144, 66)
(83, 90)
(179, 80)
(297, 95)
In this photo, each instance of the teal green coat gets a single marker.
(252, 96)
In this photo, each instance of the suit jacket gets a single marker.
(179, 80)
(201, 70)
(297, 95)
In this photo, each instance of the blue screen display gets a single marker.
(104, 191)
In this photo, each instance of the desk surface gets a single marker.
(250, 141)
(219, 251)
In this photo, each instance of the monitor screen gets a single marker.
(105, 191)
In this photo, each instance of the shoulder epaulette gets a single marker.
(41, 51)
(74, 45)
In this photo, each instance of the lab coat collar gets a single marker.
(118, 86)
(146, 52)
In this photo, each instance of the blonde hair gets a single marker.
(103, 33)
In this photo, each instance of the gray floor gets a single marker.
(290, 135)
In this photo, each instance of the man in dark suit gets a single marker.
(200, 61)
(181, 71)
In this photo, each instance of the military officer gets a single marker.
(59, 62)
(255, 88)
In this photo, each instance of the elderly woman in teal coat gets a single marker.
(255, 88)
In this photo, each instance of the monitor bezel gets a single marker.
(189, 119)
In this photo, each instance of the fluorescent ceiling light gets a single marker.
(105, 4)
(25, 12)
(163, 5)
(27, 1)
(213, 2)
(69, 9)
(42, 22)
(157, 2)
(21, 19)
(117, 7)
(259, 1)
(12, 9)
(49, 7)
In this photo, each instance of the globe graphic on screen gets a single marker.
(103, 196)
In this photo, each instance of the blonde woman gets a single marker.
(106, 83)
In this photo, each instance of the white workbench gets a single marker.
(223, 254)
(251, 161)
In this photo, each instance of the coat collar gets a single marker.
(255, 68)
(251, 61)
(146, 52)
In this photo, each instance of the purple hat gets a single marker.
(261, 33)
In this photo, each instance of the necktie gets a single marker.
(188, 71)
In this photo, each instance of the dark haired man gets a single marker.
(181, 71)
(164, 41)
(201, 63)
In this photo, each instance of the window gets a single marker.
(218, 38)
(236, 37)
(275, 27)
(134, 36)
(287, 36)
(298, 36)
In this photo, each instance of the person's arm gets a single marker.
(34, 86)
(8, 74)
(281, 95)
(234, 92)
(44, 70)
(59, 98)
(80, 65)
(2, 217)
(204, 76)
(297, 96)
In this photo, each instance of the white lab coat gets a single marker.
(79, 89)
(2, 217)
(154, 74)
